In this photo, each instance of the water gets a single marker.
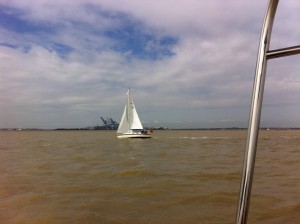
(178, 177)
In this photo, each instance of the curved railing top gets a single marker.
(257, 97)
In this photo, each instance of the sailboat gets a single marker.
(130, 125)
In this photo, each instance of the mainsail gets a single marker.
(130, 120)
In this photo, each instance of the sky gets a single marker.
(189, 63)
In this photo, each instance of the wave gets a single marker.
(134, 173)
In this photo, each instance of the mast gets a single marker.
(128, 110)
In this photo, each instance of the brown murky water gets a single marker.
(175, 177)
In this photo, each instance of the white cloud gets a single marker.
(211, 70)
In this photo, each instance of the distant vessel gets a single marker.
(130, 125)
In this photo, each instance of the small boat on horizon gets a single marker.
(130, 125)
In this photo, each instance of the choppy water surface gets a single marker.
(175, 177)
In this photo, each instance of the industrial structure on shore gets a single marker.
(108, 124)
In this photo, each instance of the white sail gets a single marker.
(130, 119)
(135, 123)
(130, 124)
(123, 126)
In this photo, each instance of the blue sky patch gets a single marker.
(130, 36)
(132, 39)
(61, 49)
(9, 45)
(13, 19)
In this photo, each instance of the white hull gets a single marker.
(134, 136)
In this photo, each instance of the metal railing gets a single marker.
(257, 97)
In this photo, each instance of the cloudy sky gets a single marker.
(189, 63)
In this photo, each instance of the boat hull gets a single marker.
(134, 136)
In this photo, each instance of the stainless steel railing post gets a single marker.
(257, 97)
(254, 119)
